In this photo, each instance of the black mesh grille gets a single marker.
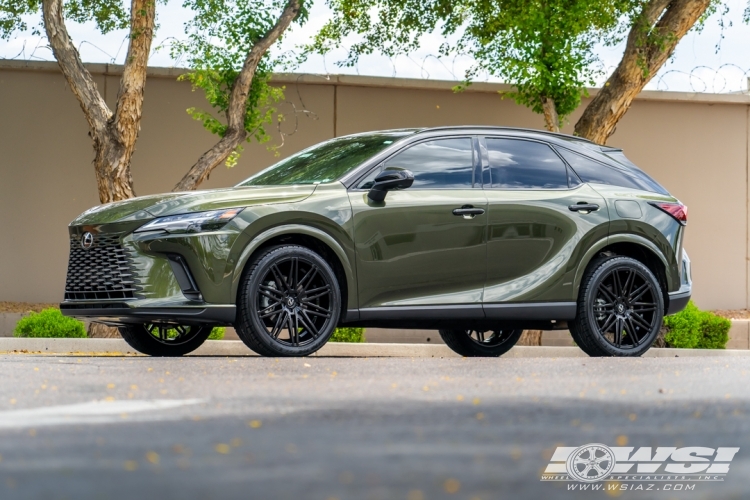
(101, 272)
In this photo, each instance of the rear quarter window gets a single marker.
(590, 170)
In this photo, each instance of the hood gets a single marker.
(148, 207)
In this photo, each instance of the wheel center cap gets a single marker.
(620, 308)
(290, 302)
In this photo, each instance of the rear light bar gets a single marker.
(677, 210)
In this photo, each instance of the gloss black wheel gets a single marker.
(480, 343)
(620, 308)
(165, 339)
(290, 302)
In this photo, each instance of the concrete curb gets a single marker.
(118, 347)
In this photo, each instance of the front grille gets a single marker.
(101, 272)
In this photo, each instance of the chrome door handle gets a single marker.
(467, 211)
(584, 207)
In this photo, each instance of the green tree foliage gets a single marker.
(15, 15)
(544, 48)
(219, 37)
(50, 323)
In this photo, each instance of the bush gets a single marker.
(696, 329)
(217, 333)
(50, 323)
(348, 335)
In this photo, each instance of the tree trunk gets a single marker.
(530, 337)
(653, 37)
(551, 119)
(101, 331)
(114, 134)
(236, 133)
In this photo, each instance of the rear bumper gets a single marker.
(679, 299)
(120, 313)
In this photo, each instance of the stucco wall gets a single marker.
(695, 144)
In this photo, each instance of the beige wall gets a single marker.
(695, 144)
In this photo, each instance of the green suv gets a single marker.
(478, 232)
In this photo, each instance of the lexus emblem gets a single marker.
(87, 240)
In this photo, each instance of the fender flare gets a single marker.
(609, 240)
(313, 232)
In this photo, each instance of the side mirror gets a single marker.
(387, 180)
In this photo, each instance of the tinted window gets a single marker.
(517, 164)
(620, 157)
(438, 164)
(323, 162)
(592, 171)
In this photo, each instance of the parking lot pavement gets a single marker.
(325, 428)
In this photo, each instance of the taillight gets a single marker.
(676, 210)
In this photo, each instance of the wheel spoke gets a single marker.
(640, 320)
(634, 331)
(294, 329)
(280, 280)
(326, 291)
(608, 323)
(618, 332)
(293, 268)
(269, 313)
(316, 306)
(617, 284)
(609, 295)
(308, 323)
(308, 278)
(628, 283)
(279, 325)
(638, 292)
(270, 290)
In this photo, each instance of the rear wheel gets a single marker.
(620, 308)
(289, 302)
(165, 340)
(480, 343)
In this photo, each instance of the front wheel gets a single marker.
(620, 308)
(289, 302)
(480, 343)
(165, 340)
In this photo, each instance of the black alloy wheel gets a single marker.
(620, 308)
(165, 339)
(289, 304)
(480, 343)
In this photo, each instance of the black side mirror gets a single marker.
(387, 180)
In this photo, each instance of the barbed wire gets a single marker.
(726, 78)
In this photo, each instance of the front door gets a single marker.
(534, 238)
(412, 249)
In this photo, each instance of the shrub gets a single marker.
(348, 335)
(696, 329)
(217, 333)
(50, 323)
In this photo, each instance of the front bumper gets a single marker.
(121, 313)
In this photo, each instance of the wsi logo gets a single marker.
(596, 462)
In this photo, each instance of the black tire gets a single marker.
(480, 343)
(275, 301)
(618, 294)
(165, 340)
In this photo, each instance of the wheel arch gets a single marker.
(635, 247)
(309, 237)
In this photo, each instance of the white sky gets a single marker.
(696, 65)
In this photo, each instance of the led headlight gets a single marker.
(191, 223)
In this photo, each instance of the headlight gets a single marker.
(191, 223)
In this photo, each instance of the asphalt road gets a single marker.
(345, 428)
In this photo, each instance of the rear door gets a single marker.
(412, 249)
(536, 232)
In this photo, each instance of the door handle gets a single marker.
(467, 211)
(582, 206)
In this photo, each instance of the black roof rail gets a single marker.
(516, 129)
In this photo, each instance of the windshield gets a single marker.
(325, 162)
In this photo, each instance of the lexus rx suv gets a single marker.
(478, 232)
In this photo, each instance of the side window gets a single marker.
(519, 164)
(438, 164)
(592, 171)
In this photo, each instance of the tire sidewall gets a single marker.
(597, 277)
(460, 343)
(249, 310)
